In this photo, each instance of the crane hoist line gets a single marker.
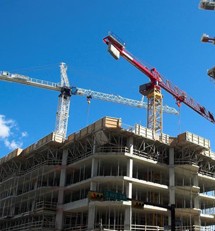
(66, 91)
(117, 48)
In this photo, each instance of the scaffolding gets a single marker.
(29, 187)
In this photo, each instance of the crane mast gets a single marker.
(66, 91)
(153, 89)
(62, 115)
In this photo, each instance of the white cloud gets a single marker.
(5, 127)
(24, 134)
(12, 145)
(10, 135)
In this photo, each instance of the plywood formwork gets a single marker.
(149, 134)
(51, 138)
(106, 122)
(188, 138)
(11, 155)
(46, 185)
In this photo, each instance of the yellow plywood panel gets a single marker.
(71, 137)
(97, 125)
(148, 133)
(143, 131)
(106, 122)
(11, 155)
(84, 132)
(164, 138)
(58, 138)
(52, 137)
(109, 122)
(195, 139)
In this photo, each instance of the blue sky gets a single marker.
(37, 35)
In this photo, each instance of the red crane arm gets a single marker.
(157, 79)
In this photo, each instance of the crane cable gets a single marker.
(179, 120)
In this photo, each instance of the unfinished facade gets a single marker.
(46, 186)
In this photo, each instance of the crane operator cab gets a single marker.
(207, 4)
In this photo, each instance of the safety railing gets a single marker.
(112, 149)
(146, 227)
(76, 228)
(79, 156)
(45, 205)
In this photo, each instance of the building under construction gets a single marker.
(107, 177)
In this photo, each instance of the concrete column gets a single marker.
(91, 217)
(59, 215)
(196, 197)
(130, 161)
(128, 210)
(94, 171)
(130, 144)
(129, 174)
(91, 208)
(171, 181)
(128, 218)
(197, 221)
(129, 168)
(195, 180)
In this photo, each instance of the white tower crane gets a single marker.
(66, 91)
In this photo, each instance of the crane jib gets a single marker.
(151, 73)
(66, 91)
(182, 97)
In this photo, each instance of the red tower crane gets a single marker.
(153, 89)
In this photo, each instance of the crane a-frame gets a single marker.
(66, 91)
(153, 89)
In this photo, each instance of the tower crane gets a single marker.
(207, 4)
(66, 91)
(153, 89)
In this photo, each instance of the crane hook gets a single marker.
(89, 97)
